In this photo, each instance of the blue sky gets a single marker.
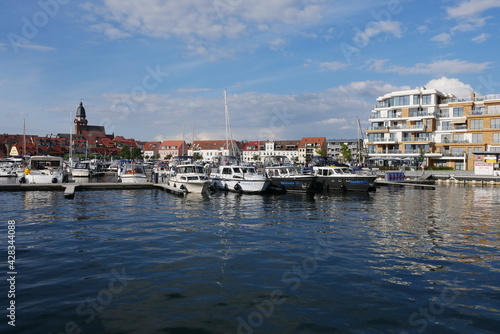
(155, 69)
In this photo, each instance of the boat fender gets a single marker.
(226, 188)
(27, 171)
(211, 188)
(54, 180)
(182, 187)
(343, 187)
(237, 187)
(22, 180)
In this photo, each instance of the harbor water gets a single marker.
(400, 260)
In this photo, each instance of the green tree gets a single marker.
(125, 152)
(255, 157)
(197, 156)
(320, 152)
(136, 153)
(346, 152)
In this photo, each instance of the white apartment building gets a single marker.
(408, 125)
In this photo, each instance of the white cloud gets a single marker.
(471, 8)
(109, 31)
(262, 116)
(3, 46)
(375, 28)
(332, 66)
(439, 67)
(35, 47)
(192, 90)
(277, 44)
(450, 85)
(481, 38)
(443, 38)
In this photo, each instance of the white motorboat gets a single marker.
(81, 169)
(132, 173)
(243, 179)
(8, 168)
(44, 169)
(191, 177)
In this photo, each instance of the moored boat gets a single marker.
(44, 169)
(7, 168)
(343, 179)
(81, 169)
(190, 177)
(132, 173)
(290, 178)
(242, 179)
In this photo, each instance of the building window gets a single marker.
(477, 137)
(495, 123)
(476, 124)
(459, 165)
(496, 137)
(458, 112)
(445, 125)
(416, 99)
(426, 99)
(458, 137)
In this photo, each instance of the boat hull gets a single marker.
(242, 186)
(136, 178)
(294, 184)
(196, 187)
(346, 183)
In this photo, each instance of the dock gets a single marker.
(69, 189)
(415, 185)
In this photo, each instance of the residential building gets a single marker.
(208, 149)
(334, 148)
(172, 148)
(150, 149)
(434, 128)
(311, 146)
(288, 148)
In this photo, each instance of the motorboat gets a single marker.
(237, 178)
(343, 179)
(81, 169)
(290, 178)
(190, 177)
(8, 168)
(44, 169)
(132, 173)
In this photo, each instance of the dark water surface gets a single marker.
(144, 261)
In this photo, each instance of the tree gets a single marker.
(320, 152)
(136, 153)
(125, 152)
(255, 157)
(197, 156)
(346, 152)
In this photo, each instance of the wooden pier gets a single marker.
(71, 188)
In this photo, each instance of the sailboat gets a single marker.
(234, 177)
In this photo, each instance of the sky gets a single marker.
(157, 69)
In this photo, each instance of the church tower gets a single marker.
(80, 120)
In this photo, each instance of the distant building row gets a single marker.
(93, 140)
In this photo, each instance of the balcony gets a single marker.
(376, 128)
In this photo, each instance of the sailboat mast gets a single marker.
(70, 140)
(229, 135)
(24, 137)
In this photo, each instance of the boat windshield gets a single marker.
(43, 164)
